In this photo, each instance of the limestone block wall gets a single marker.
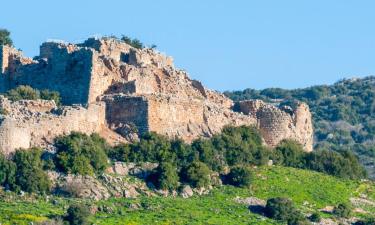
(122, 109)
(61, 67)
(176, 118)
(24, 129)
(13, 136)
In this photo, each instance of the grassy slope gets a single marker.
(310, 191)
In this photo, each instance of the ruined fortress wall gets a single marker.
(276, 125)
(40, 129)
(62, 68)
(13, 136)
(127, 110)
(176, 118)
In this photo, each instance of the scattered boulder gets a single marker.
(186, 191)
(82, 187)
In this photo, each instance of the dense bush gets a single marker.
(240, 176)
(236, 146)
(197, 175)
(283, 209)
(292, 153)
(28, 93)
(315, 217)
(77, 215)
(30, 176)
(240, 145)
(370, 221)
(5, 37)
(51, 95)
(23, 93)
(165, 176)
(7, 172)
(79, 153)
(343, 210)
(343, 164)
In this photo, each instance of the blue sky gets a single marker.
(228, 45)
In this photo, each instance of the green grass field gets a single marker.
(309, 190)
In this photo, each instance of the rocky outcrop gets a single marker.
(123, 92)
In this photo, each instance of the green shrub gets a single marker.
(240, 176)
(198, 175)
(292, 153)
(5, 37)
(30, 176)
(239, 146)
(315, 217)
(135, 43)
(51, 95)
(77, 215)
(283, 209)
(79, 153)
(342, 210)
(166, 177)
(344, 165)
(24, 92)
(7, 172)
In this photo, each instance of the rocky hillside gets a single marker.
(343, 114)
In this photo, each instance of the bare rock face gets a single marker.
(123, 92)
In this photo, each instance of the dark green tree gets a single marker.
(30, 176)
(7, 172)
(240, 176)
(78, 215)
(292, 153)
(5, 37)
(198, 175)
(166, 176)
(79, 153)
(282, 209)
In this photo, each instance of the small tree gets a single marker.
(79, 153)
(5, 37)
(7, 172)
(198, 174)
(30, 175)
(240, 176)
(343, 210)
(293, 154)
(77, 215)
(283, 209)
(166, 176)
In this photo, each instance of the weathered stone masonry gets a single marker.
(119, 87)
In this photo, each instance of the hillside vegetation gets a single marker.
(309, 190)
(343, 114)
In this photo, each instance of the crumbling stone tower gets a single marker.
(121, 89)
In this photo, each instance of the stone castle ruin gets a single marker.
(118, 91)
